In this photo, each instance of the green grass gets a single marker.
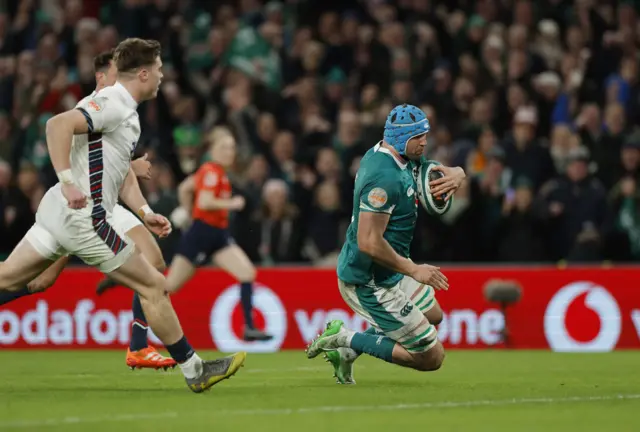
(483, 391)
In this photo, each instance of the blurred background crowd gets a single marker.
(537, 100)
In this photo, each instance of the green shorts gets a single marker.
(398, 312)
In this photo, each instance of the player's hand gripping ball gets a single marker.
(434, 205)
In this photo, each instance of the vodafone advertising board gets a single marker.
(577, 309)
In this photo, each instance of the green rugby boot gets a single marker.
(334, 337)
(342, 361)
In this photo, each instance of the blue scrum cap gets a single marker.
(403, 123)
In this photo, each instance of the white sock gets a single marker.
(192, 368)
(347, 335)
(348, 354)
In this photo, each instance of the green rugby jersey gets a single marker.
(383, 185)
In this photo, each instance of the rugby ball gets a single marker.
(434, 205)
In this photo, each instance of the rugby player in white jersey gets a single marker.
(140, 354)
(91, 148)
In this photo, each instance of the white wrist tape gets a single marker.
(144, 210)
(65, 177)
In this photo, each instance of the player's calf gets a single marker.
(48, 277)
(24, 263)
(151, 285)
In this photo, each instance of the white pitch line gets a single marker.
(296, 369)
(21, 424)
(172, 373)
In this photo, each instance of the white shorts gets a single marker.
(61, 231)
(398, 312)
(124, 220)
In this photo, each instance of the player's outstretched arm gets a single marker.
(185, 192)
(130, 192)
(371, 227)
(208, 201)
(60, 130)
(133, 198)
(371, 241)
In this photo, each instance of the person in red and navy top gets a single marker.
(207, 194)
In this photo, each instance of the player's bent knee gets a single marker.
(154, 287)
(430, 360)
(249, 274)
(6, 283)
(159, 283)
(159, 264)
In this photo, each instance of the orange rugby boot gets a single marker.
(149, 358)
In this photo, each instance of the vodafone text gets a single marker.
(458, 326)
(83, 324)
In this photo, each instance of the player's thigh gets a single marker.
(125, 221)
(147, 245)
(138, 274)
(48, 277)
(391, 311)
(234, 260)
(24, 263)
(180, 272)
(423, 297)
(434, 314)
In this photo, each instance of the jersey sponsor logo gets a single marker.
(210, 179)
(410, 191)
(569, 323)
(94, 105)
(377, 197)
(406, 310)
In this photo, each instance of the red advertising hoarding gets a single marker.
(576, 309)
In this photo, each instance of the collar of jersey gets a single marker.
(379, 148)
(128, 99)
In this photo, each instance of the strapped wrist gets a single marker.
(65, 176)
(144, 210)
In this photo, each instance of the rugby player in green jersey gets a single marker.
(376, 277)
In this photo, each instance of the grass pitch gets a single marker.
(475, 391)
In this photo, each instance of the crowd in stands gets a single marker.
(538, 100)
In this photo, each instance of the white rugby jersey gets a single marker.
(100, 160)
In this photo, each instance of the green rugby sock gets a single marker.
(373, 344)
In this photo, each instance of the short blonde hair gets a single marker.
(218, 132)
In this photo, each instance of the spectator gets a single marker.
(520, 232)
(575, 209)
(277, 232)
(321, 245)
(525, 155)
(623, 242)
